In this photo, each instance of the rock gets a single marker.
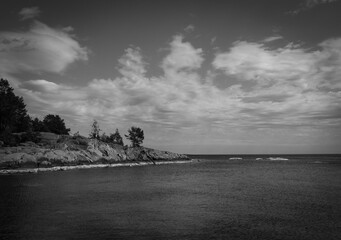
(28, 144)
(48, 137)
(45, 164)
(78, 151)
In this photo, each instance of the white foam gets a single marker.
(112, 165)
(235, 158)
(277, 159)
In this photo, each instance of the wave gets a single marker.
(235, 158)
(277, 159)
(104, 165)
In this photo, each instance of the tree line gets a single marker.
(15, 119)
(135, 135)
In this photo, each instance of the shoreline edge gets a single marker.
(90, 166)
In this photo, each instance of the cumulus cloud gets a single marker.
(290, 65)
(133, 97)
(253, 61)
(286, 88)
(40, 49)
(288, 81)
(29, 13)
(182, 56)
(131, 64)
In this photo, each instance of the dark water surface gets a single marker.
(216, 198)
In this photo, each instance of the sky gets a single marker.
(209, 77)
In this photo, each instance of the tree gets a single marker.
(13, 113)
(38, 125)
(116, 138)
(95, 130)
(105, 138)
(136, 136)
(24, 124)
(55, 124)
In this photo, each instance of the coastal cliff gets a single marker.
(78, 151)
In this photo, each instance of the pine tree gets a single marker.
(55, 124)
(13, 113)
(136, 136)
(95, 130)
(116, 138)
(38, 125)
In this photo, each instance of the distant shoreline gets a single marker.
(90, 166)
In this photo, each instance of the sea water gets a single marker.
(217, 197)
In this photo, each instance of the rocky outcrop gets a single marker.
(78, 151)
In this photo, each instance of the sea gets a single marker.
(213, 197)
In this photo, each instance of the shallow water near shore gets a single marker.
(219, 197)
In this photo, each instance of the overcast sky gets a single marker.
(230, 76)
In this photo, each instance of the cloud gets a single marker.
(29, 13)
(131, 64)
(213, 40)
(273, 90)
(308, 4)
(190, 28)
(290, 65)
(312, 3)
(133, 97)
(40, 49)
(290, 82)
(272, 38)
(253, 61)
(182, 56)
(42, 85)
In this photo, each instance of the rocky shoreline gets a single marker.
(112, 165)
(80, 153)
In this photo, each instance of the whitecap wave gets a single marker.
(235, 158)
(277, 159)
